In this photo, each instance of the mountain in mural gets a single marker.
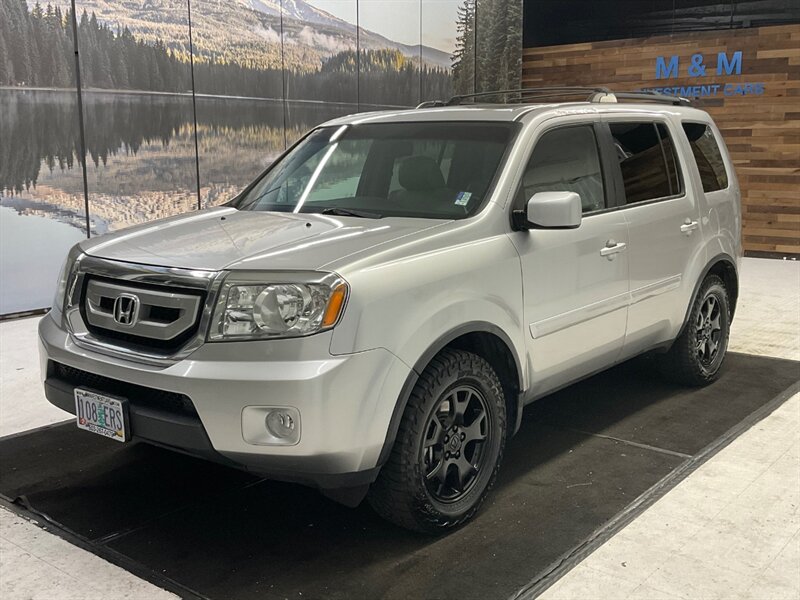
(247, 32)
(294, 9)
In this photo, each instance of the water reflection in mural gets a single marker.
(141, 160)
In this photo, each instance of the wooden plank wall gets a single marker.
(762, 132)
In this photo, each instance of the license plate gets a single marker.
(101, 414)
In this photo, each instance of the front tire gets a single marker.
(697, 355)
(448, 448)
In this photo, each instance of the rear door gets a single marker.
(575, 281)
(664, 226)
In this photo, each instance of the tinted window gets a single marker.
(566, 160)
(709, 158)
(647, 160)
(434, 170)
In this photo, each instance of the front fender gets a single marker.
(406, 305)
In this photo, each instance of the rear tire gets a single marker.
(696, 356)
(448, 448)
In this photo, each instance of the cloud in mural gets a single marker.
(307, 36)
(268, 34)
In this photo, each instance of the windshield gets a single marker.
(433, 170)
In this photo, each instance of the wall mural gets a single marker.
(265, 71)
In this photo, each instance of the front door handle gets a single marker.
(612, 248)
(688, 226)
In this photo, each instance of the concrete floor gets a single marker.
(730, 530)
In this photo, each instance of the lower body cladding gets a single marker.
(286, 409)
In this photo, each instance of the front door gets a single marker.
(575, 281)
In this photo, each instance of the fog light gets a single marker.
(271, 425)
(281, 424)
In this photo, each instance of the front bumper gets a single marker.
(345, 402)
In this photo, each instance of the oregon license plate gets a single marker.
(101, 414)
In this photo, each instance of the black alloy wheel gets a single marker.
(448, 448)
(456, 436)
(708, 330)
(696, 356)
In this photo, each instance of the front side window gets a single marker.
(566, 160)
(432, 170)
(647, 160)
(707, 155)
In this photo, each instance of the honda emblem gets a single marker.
(126, 310)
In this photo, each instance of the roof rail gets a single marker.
(642, 97)
(431, 104)
(540, 92)
(595, 94)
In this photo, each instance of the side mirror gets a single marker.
(551, 210)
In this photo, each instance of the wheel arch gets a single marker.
(724, 266)
(484, 339)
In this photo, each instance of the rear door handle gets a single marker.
(688, 226)
(612, 248)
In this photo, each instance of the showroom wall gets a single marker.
(185, 101)
(740, 60)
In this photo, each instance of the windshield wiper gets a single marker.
(349, 212)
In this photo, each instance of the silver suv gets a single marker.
(371, 315)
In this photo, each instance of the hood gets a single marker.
(225, 238)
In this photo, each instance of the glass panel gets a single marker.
(566, 160)
(589, 21)
(390, 48)
(42, 208)
(499, 44)
(708, 156)
(239, 91)
(448, 39)
(698, 15)
(137, 110)
(641, 160)
(322, 79)
(464, 52)
(320, 51)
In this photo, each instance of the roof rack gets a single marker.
(594, 94)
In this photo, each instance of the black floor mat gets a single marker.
(581, 457)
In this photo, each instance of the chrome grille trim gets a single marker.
(101, 314)
(173, 280)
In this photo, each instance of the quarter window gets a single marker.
(707, 155)
(566, 160)
(647, 160)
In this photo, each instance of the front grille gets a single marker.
(152, 317)
(137, 395)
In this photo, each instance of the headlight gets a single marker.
(63, 279)
(250, 306)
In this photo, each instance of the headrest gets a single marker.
(420, 173)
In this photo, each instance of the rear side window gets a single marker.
(708, 156)
(566, 160)
(647, 160)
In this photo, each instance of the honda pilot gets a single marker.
(372, 314)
